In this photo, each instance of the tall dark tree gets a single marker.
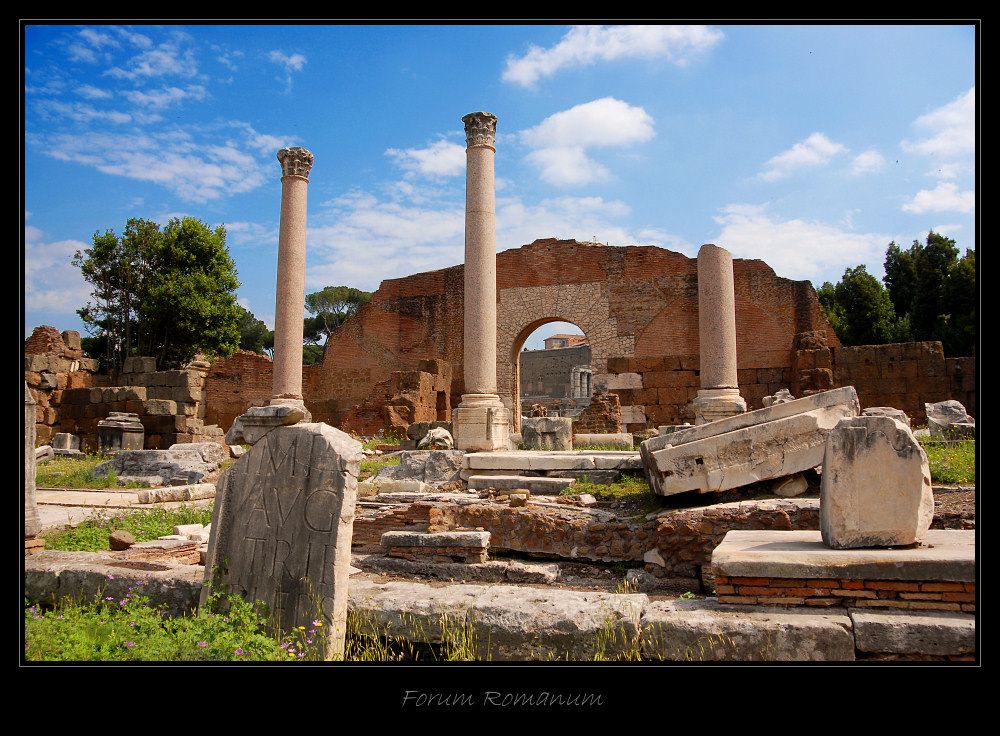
(253, 333)
(865, 309)
(118, 269)
(934, 292)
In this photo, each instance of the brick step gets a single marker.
(455, 546)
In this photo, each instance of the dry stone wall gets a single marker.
(72, 397)
(658, 390)
(53, 364)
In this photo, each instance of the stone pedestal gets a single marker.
(480, 421)
(719, 396)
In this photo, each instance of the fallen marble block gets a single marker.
(773, 442)
(876, 488)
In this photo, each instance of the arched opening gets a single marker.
(552, 368)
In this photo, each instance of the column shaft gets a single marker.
(480, 421)
(719, 396)
(289, 309)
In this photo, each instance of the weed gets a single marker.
(951, 461)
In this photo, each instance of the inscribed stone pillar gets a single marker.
(289, 310)
(480, 421)
(282, 528)
(719, 396)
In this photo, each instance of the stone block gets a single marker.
(161, 407)
(948, 420)
(139, 364)
(759, 445)
(65, 441)
(614, 381)
(876, 487)
(634, 414)
(887, 411)
(282, 527)
(547, 433)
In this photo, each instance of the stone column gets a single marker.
(719, 396)
(289, 309)
(480, 421)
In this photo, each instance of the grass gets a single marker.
(951, 462)
(370, 466)
(65, 472)
(129, 629)
(634, 488)
(92, 535)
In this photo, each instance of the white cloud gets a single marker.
(603, 122)
(168, 59)
(94, 93)
(816, 150)
(442, 158)
(944, 198)
(51, 282)
(867, 162)
(196, 172)
(166, 96)
(798, 249)
(567, 167)
(293, 63)
(587, 45)
(952, 129)
(562, 138)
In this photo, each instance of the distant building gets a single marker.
(564, 341)
(561, 370)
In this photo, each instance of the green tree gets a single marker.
(167, 294)
(254, 334)
(934, 292)
(868, 317)
(331, 307)
(118, 269)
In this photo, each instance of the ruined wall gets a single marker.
(53, 363)
(658, 390)
(906, 376)
(634, 301)
(547, 372)
(235, 384)
(72, 397)
(169, 405)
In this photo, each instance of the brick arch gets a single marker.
(522, 310)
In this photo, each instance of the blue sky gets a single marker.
(810, 147)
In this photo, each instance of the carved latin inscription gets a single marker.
(284, 513)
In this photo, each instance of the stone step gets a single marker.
(454, 546)
(535, 484)
(542, 461)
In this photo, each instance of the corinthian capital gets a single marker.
(480, 129)
(295, 161)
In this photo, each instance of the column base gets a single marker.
(717, 403)
(481, 423)
(294, 403)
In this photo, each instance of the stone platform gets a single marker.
(796, 568)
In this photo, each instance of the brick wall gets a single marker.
(634, 301)
(849, 593)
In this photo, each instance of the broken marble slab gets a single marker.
(876, 488)
(773, 442)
